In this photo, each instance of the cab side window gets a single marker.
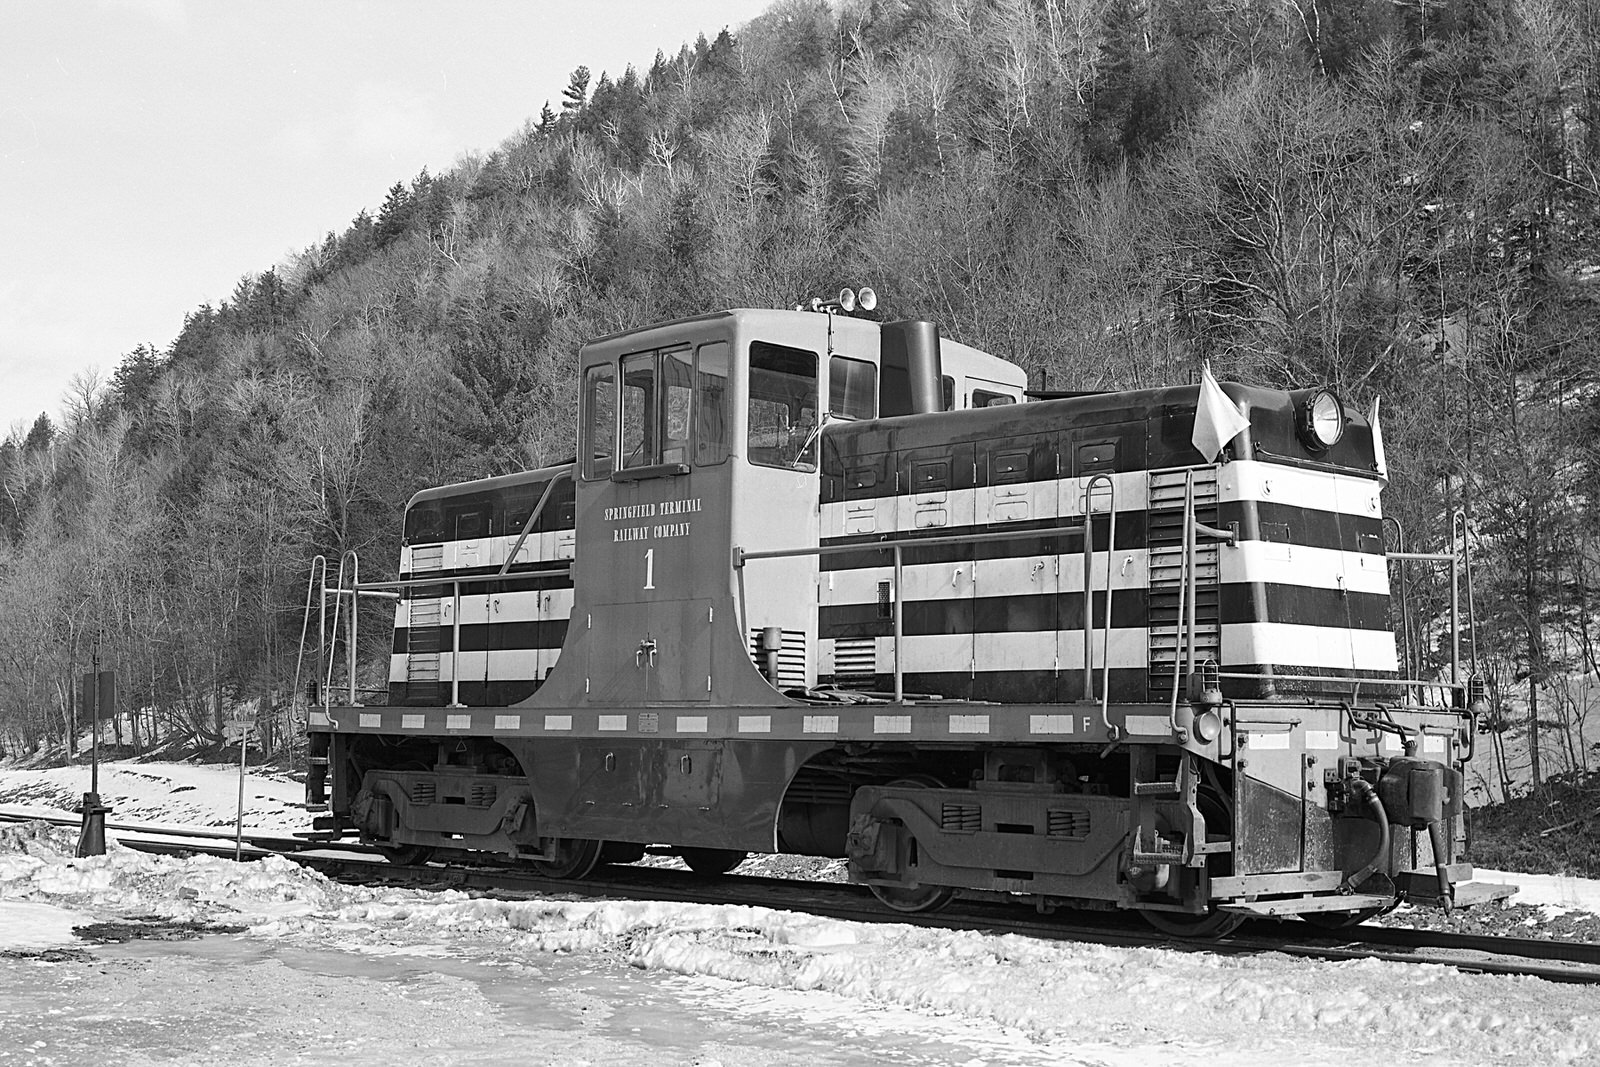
(599, 421)
(852, 388)
(711, 404)
(783, 407)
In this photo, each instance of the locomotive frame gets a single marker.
(747, 620)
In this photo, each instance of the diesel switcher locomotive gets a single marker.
(820, 585)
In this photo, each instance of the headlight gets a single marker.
(1321, 421)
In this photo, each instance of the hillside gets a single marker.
(1391, 199)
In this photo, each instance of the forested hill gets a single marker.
(1391, 197)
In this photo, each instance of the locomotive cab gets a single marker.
(700, 437)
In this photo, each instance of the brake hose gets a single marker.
(1361, 790)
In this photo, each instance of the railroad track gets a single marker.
(1558, 961)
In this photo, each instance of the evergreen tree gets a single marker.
(576, 94)
(394, 216)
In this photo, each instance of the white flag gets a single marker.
(1380, 462)
(1216, 420)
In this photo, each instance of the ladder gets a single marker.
(1168, 640)
(425, 617)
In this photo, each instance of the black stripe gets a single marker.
(497, 694)
(1241, 602)
(490, 637)
(522, 584)
(1130, 535)
(1253, 520)
(1131, 685)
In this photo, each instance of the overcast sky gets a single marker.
(154, 151)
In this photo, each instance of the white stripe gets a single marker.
(370, 721)
(891, 724)
(1322, 739)
(969, 724)
(1433, 743)
(320, 718)
(458, 722)
(1277, 740)
(1149, 725)
(820, 724)
(558, 722)
(1271, 563)
(1296, 645)
(1050, 724)
(691, 724)
(613, 722)
(508, 722)
(411, 722)
(1297, 487)
(755, 724)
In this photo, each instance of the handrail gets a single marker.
(1088, 595)
(317, 561)
(527, 527)
(1185, 573)
(354, 624)
(1405, 594)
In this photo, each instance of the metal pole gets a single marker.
(455, 645)
(899, 674)
(355, 604)
(238, 818)
(94, 744)
(1455, 605)
(1088, 591)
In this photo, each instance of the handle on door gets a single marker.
(647, 647)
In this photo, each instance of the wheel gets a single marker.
(568, 857)
(406, 855)
(1198, 927)
(922, 898)
(1340, 920)
(712, 860)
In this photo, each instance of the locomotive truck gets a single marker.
(821, 585)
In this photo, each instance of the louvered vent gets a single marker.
(855, 661)
(423, 792)
(791, 657)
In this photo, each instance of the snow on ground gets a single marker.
(777, 979)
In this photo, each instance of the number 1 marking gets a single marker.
(650, 568)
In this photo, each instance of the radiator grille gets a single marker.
(423, 792)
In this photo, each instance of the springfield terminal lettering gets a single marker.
(653, 510)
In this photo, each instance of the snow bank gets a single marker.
(1047, 991)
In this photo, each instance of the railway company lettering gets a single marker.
(660, 509)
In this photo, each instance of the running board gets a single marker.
(1271, 909)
